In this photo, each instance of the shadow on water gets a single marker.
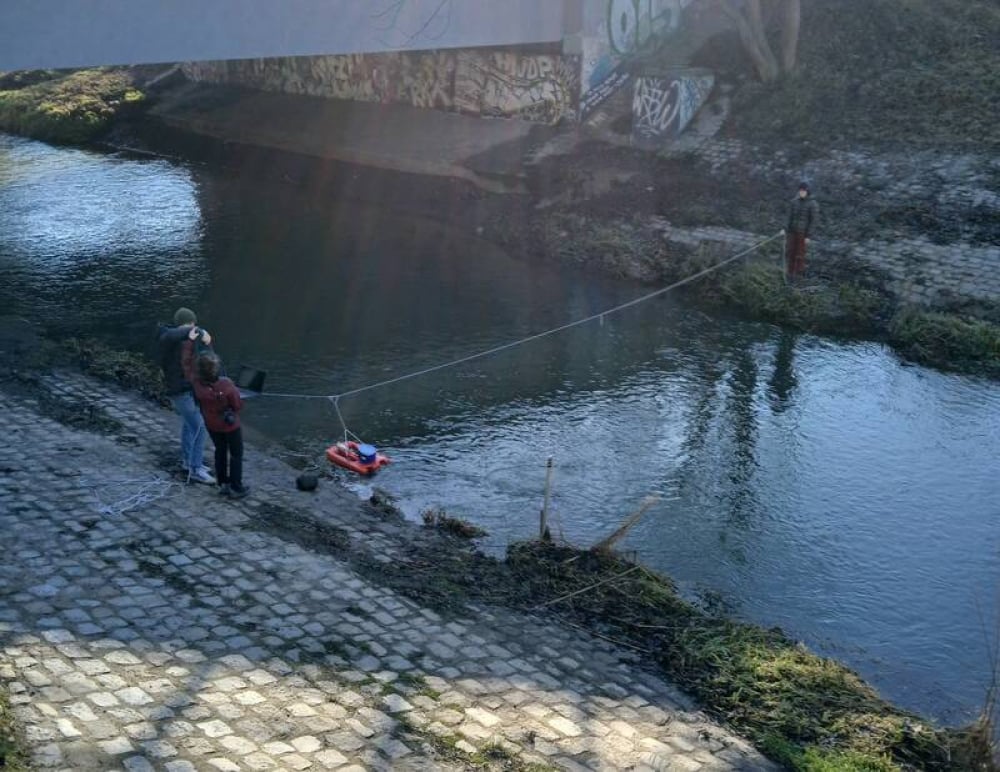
(783, 382)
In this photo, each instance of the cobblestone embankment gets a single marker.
(192, 632)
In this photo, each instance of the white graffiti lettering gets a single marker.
(664, 107)
(634, 24)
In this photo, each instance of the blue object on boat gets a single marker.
(367, 453)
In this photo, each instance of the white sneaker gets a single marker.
(203, 475)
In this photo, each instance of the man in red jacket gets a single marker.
(803, 214)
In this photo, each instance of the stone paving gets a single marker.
(919, 272)
(145, 624)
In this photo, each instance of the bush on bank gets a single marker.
(68, 108)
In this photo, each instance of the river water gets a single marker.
(821, 486)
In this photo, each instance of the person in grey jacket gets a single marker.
(803, 214)
(174, 348)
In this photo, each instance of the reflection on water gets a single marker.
(73, 224)
(819, 486)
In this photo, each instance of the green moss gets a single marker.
(416, 683)
(823, 760)
(13, 755)
(949, 341)
(616, 247)
(493, 756)
(12, 81)
(73, 108)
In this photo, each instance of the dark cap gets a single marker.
(184, 316)
(804, 186)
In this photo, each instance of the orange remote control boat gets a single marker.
(358, 457)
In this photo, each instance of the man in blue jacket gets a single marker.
(172, 342)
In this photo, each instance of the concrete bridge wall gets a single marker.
(539, 60)
(565, 81)
(491, 83)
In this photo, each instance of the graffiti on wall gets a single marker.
(633, 25)
(535, 87)
(663, 106)
(597, 95)
(502, 84)
(614, 31)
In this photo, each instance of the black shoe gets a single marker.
(240, 492)
(224, 489)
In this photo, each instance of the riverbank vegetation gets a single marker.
(838, 298)
(809, 713)
(948, 341)
(805, 711)
(918, 73)
(125, 368)
(26, 356)
(13, 757)
(66, 107)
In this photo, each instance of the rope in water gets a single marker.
(151, 490)
(335, 398)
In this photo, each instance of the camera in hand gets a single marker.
(199, 333)
(229, 416)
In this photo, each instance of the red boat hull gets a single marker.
(345, 455)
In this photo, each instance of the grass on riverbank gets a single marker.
(73, 108)
(947, 341)
(809, 713)
(842, 308)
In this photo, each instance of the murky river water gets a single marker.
(820, 486)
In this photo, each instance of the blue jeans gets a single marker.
(192, 430)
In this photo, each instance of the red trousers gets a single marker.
(795, 254)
